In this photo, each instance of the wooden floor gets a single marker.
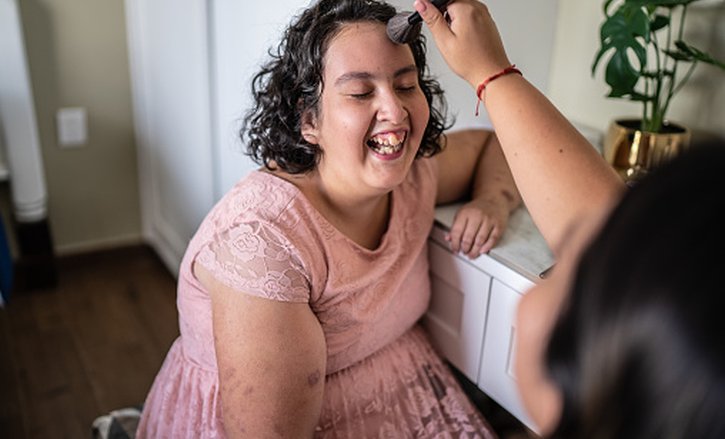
(95, 343)
(91, 345)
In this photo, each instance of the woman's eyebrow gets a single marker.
(351, 76)
(405, 70)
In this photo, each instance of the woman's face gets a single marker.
(372, 112)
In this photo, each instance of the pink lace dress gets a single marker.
(383, 379)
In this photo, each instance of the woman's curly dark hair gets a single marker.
(291, 83)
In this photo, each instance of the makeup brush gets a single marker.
(405, 26)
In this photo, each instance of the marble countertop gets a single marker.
(522, 247)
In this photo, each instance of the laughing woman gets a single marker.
(300, 294)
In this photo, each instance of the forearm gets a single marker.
(559, 174)
(493, 181)
(458, 164)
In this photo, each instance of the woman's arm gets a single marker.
(271, 357)
(560, 176)
(473, 165)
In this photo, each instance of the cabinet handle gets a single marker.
(544, 274)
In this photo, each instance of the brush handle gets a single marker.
(415, 18)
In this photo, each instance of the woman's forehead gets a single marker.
(364, 45)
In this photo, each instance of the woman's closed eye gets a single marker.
(361, 95)
(406, 88)
(369, 93)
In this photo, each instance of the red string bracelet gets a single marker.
(482, 86)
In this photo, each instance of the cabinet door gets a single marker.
(496, 376)
(457, 313)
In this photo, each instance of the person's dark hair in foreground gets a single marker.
(292, 83)
(639, 348)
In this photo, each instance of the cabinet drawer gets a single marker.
(457, 313)
(496, 376)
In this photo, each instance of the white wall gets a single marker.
(77, 57)
(241, 34)
(170, 67)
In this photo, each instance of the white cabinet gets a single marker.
(473, 305)
(458, 303)
(496, 376)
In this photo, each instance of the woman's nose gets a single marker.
(392, 109)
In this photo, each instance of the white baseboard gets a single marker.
(170, 254)
(99, 244)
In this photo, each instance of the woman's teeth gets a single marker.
(388, 143)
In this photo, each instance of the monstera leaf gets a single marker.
(635, 66)
(625, 31)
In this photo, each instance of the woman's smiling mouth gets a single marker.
(387, 145)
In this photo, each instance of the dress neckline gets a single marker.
(384, 240)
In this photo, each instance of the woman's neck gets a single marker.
(361, 217)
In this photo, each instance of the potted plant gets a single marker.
(648, 62)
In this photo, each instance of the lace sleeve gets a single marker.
(256, 259)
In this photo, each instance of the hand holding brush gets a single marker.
(405, 26)
(468, 40)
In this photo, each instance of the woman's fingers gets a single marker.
(434, 19)
(473, 232)
(468, 41)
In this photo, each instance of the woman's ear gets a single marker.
(308, 127)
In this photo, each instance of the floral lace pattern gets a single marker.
(402, 391)
(252, 258)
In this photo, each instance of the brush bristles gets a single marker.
(400, 31)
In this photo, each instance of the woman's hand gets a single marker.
(473, 167)
(467, 38)
(477, 227)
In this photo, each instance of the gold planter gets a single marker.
(633, 152)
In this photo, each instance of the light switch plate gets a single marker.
(72, 127)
